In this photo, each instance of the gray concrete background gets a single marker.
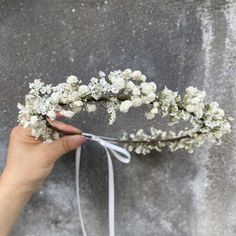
(175, 43)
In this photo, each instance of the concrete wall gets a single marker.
(175, 43)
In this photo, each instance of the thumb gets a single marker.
(66, 144)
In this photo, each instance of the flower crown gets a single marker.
(119, 91)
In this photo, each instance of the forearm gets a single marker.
(12, 201)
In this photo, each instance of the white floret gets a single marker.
(91, 107)
(83, 90)
(72, 79)
(125, 106)
(67, 113)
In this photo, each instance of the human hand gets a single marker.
(29, 161)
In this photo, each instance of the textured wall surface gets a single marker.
(175, 43)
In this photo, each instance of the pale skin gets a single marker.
(29, 162)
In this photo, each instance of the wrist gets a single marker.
(11, 187)
(13, 198)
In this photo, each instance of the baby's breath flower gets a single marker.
(130, 85)
(67, 113)
(72, 79)
(137, 101)
(149, 115)
(119, 91)
(102, 74)
(148, 88)
(91, 107)
(136, 75)
(118, 83)
(125, 106)
(33, 120)
(83, 90)
(78, 103)
(136, 91)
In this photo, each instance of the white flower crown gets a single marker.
(119, 91)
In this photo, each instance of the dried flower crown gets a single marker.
(119, 91)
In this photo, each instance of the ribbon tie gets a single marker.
(120, 154)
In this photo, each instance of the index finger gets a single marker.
(60, 126)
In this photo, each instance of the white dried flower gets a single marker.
(83, 90)
(136, 75)
(136, 91)
(96, 88)
(102, 74)
(137, 101)
(78, 103)
(67, 113)
(127, 73)
(149, 115)
(154, 110)
(74, 95)
(55, 97)
(72, 79)
(33, 120)
(125, 106)
(112, 114)
(91, 108)
(148, 88)
(121, 90)
(118, 83)
(130, 85)
(36, 85)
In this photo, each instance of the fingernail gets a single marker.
(80, 139)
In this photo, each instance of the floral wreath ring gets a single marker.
(119, 91)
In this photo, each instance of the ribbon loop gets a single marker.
(116, 150)
(120, 154)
